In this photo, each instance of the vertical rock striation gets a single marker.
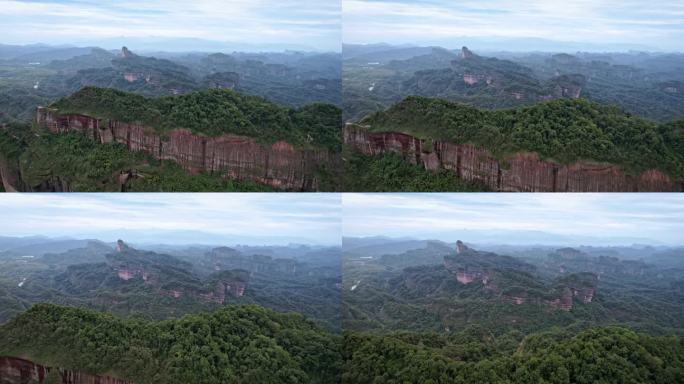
(19, 371)
(522, 172)
(237, 157)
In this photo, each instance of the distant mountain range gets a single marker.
(147, 239)
(521, 44)
(504, 237)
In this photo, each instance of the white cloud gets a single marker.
(656, 23)
(656, 216)
(314, 216)
(305, 22)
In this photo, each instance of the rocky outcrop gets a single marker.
(14, 370)
(12, 180)
(10, 175)
(515, 282)
(236, 157)
(522, 172)
(121, 246)
(233, 282)
(466, 53)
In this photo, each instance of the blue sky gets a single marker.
(595, 218)
(616, 24)
(287, 217)
(306, 23)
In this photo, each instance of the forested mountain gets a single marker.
(235, 344)
(40, 76)
(66, 162)
(130, 282)
(647, 85)
(565, 130)
(595, 355)
(437, 288)
(212, 113)
(445, 314)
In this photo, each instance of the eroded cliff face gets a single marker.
(15, 370)
(579, 286)
(524, 172)
(236, 157)
(10, 175)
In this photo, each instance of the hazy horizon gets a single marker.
(598, 219)
(202, 25)
(602, 25)
(178, 218)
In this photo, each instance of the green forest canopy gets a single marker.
(214, 112)
(93, 167)
(236, 344)
(565, 130)
(595, 355)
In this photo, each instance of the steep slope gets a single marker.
(36, 162)
(218, 132)
(562, 145)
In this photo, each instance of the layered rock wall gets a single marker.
(523, 172)
(19, 371)
(237, 157)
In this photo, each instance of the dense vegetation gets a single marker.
(390, 172)
(37, 75)
(84, 274)
(236, 344)
(407, 319)
(565, 130)
(644, 84)
(89, 166)
(417, 290)
(214, 113)
(594, 355)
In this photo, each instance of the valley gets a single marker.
(115, 299)
(440, 312)
(129, 282)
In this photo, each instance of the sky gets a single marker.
(261, 23)
(175, 218)
(571, 218)
(596, 24)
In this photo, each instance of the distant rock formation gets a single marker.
(126, 53)
(513, 281)
(121, 246)
(466, 53)
(460, 247)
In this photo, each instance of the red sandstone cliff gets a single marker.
(237, 157)
(525, 172)
(19, 371)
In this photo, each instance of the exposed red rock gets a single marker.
(235, 288)
(466, 53)
(121, 246)
(237, 157)
(19, 371)
(524, 172)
